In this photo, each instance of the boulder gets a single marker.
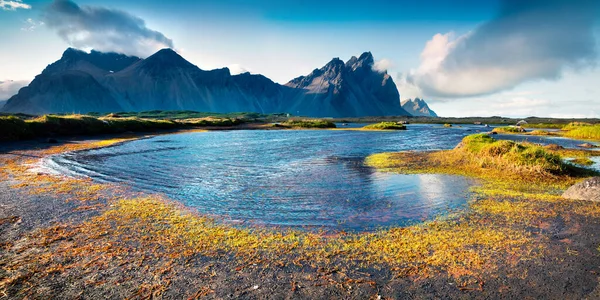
(588, 189)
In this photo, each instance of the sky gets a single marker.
(513, 58)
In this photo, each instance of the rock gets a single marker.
(492, 132)
(52, 141)
(587, 145)
(588, 189)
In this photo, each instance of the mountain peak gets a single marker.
(72, 53)
(336, 61)
(363, 61)
(417, 107)
(367, 57)
(166, 58)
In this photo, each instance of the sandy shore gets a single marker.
(54, 244)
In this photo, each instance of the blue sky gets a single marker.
(465, 58)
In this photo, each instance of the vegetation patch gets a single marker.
(505, 164)
(583, 131)
(540, 132)
(308, 123)
(509, 129)
(385, 126)
(15, 128)
(544, 125)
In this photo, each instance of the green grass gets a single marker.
(308, 123)
(590, 132)
(14, 128)
(576, 125)
(509, 154)
(385, 126)
(509, 129)
(544, 126)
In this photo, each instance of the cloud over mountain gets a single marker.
(103, 29)
(528, 40)
(10, 87)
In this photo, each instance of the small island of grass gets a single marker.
(385, 126)
(509, 129)
(307, 123)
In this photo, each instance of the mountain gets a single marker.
(346, 89)
(418, 108)
(83, 82)
(2, 103)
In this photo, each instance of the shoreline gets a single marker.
(60, 211)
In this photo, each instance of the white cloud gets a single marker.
(236, 69)
(383, 65)
(103, 29)
(13, 5)
(31, 24)
(9, 88)
(529, 40)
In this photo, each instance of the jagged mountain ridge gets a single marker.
(107, 82)
(418, 107)
(347, 89)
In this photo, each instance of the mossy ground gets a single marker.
(139, 246)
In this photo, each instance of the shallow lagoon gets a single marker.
(297, 178)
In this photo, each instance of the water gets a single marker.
(297, 178)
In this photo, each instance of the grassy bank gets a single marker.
(583, 131)
(15, 128)
(498, 162)
(385, 126)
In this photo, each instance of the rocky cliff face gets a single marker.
(107, 82)
(418, 107)
(346, 89)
